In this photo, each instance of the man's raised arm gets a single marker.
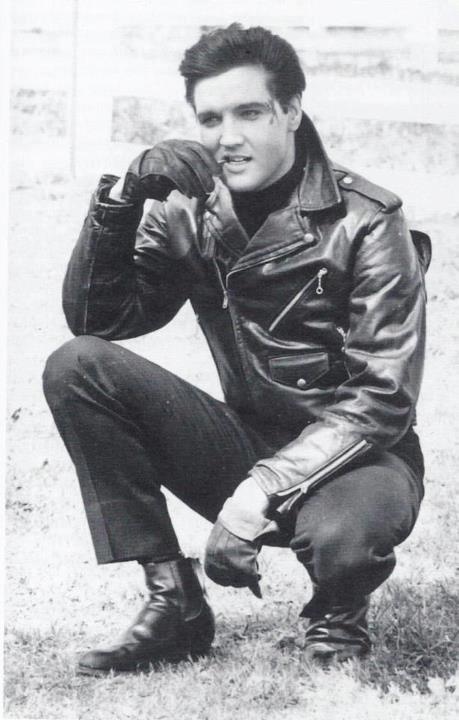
(106, 292)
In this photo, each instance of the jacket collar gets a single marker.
(318, 189)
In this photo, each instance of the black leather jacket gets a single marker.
(316, 325)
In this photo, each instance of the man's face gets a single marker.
(245, 128)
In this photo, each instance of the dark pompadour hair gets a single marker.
(233, 46)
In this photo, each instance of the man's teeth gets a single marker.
(236, 158)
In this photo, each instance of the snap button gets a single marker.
(301, 383)
(309, 237)
(347, 179)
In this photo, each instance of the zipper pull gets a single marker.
(222, 284)
(208, 251)
(320, 275)
(342, 332)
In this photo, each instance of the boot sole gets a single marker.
(145, 666)
(325, 655)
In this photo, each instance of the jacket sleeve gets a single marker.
(383, 355)
(114, 288)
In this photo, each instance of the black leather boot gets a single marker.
(336, 631)
(176, 622)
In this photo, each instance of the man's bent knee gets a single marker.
(64, 366)
(343, 560)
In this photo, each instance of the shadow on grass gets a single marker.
(414, 631)
(415, 637)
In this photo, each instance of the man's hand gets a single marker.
(184, 165)
(230, 560)
(233, 545)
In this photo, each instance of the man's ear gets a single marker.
(294, 113)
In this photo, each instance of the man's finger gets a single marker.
(202, 178)
(254, 586)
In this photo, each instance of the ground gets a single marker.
(58, 602)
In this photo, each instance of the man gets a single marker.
(309, 290)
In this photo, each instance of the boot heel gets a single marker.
(175, 623)
(201, 631)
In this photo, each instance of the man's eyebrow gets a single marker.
(254, 104)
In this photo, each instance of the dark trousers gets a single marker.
(132, 427)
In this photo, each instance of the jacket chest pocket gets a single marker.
(314, 286)
(299, 371)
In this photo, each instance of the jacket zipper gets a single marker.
(225, 306)
(222, 284)
(224, 287)
(225, 301)
(316, 280)
(296, 492)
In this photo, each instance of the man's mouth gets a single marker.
(234, 159)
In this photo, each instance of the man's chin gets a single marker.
(238, 183)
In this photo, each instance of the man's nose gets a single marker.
(230, 135)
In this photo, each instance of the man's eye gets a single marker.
(210, 121)
(250, 114)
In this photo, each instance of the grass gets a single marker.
(415, 637)
(256, 664)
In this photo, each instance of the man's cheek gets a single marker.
(209, 142)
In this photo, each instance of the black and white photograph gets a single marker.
(232, 360)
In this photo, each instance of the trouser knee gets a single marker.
(345, 563)
(64, 369)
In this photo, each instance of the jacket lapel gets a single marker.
(221, 224)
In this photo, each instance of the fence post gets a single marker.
(72, 105)
(94, 82)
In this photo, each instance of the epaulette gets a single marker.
(349, 180)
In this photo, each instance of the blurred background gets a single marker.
(91, 79)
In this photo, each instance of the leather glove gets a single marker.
(184, 165)
(230, 560)
(234, 543)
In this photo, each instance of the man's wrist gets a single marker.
(109, 212)
(251, 495)
(244, 513)
(115, 192)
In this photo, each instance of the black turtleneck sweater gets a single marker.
(252, 208)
